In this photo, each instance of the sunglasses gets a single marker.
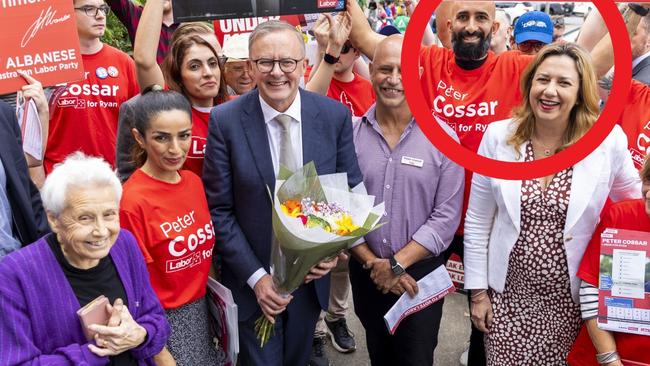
(346, 48)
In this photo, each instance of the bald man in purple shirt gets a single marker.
(423, 192)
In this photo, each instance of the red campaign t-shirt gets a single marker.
(635, 121)
(83, 115)
(174, 231)
(357, 94)
(195, 156)
(626, 215)
(469, 100)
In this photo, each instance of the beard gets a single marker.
(469, 51)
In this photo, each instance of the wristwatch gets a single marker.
(330, 59)
(397, 268)
(638, 9)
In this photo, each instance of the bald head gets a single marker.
(386, 73)
(390, 46)
(443, 13)
(483, 6)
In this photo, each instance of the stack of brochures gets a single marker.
(223, 310)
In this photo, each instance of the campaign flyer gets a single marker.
(40, 38)
(624, 282)
(194, 10)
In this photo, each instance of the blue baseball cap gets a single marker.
(534, 26)
(389, 30)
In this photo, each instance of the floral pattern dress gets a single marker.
(535, 319)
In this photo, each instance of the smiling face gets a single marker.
(238, 76)
(200, 75)
(472, 27)
(278, 88)
(554, 90)
(386, 73)
(90, 27)
(88, 225)
(166, 142)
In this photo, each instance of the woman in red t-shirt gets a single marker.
(166, 209)
(191, 68)
(593, 343)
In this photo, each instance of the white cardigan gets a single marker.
(493, 217)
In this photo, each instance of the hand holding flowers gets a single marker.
(315, 218)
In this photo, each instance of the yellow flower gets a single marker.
(291, 208)
(345, 225)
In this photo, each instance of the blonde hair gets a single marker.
(583, 114)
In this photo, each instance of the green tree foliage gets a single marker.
(116, 35)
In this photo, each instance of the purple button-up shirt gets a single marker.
(421, 188)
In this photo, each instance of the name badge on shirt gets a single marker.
(407, 160)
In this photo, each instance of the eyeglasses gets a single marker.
(347, 46)
(287, 65)
(530, 46)
(92, 11)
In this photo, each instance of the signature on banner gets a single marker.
(43, 21)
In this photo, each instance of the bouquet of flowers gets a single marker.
(314, 218)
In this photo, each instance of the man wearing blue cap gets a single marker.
(533, 31)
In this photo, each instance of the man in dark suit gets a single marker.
(640, 44)
(20, 202)
(248, 139)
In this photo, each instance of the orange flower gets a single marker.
(291, 208)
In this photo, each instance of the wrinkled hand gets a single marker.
(270, 301)
(122, 333)
(34, 91)
(381, 274)
(405, 283)
(481, 313)
(324, 267)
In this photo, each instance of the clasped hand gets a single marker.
(382, 275)
(121, 334)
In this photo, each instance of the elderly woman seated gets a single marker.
(43, 285)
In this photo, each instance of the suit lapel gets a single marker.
(310, 129)
(252, 121)
(511, 189)
(585, 177)
(643, 64)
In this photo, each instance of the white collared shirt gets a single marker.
(273, 131)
